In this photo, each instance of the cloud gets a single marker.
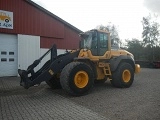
(153, 5)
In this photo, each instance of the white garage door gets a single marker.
(8, 55)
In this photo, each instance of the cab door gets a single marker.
(99, 44)
(94, 45)
(102, 43)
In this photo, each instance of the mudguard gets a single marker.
(115, 61)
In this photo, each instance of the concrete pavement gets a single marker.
(38, 103)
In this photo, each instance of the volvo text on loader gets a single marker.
(77, 70)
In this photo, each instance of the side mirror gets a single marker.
(115, 46)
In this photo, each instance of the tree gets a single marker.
(150, 35)
(142, 52)
(150, 32)
(155, 33)
(136, 48)
(146, 30)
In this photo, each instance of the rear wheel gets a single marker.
(77, 78)
(123, 77)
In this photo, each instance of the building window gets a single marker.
(11, 53)
(3, 53)
(3, 59)
(11, 59)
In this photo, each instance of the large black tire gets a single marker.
(77, 78)
(54, 83)
(123, 77)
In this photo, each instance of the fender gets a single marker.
(89, 62)
(115, 61)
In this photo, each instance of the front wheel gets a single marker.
(77, 78)
(123, 77)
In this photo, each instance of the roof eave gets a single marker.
(53, 15)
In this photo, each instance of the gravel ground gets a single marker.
(139, 102)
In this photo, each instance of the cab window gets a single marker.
(103, 41)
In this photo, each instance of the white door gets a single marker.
(8, 55)
(28, 50)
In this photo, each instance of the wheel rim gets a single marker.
(126, 75)
(81, 79)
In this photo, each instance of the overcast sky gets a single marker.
(87, 14)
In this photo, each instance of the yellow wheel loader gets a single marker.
(76, 71)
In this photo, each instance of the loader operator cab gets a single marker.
(95, 40)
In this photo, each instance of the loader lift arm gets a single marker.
(46, 72)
